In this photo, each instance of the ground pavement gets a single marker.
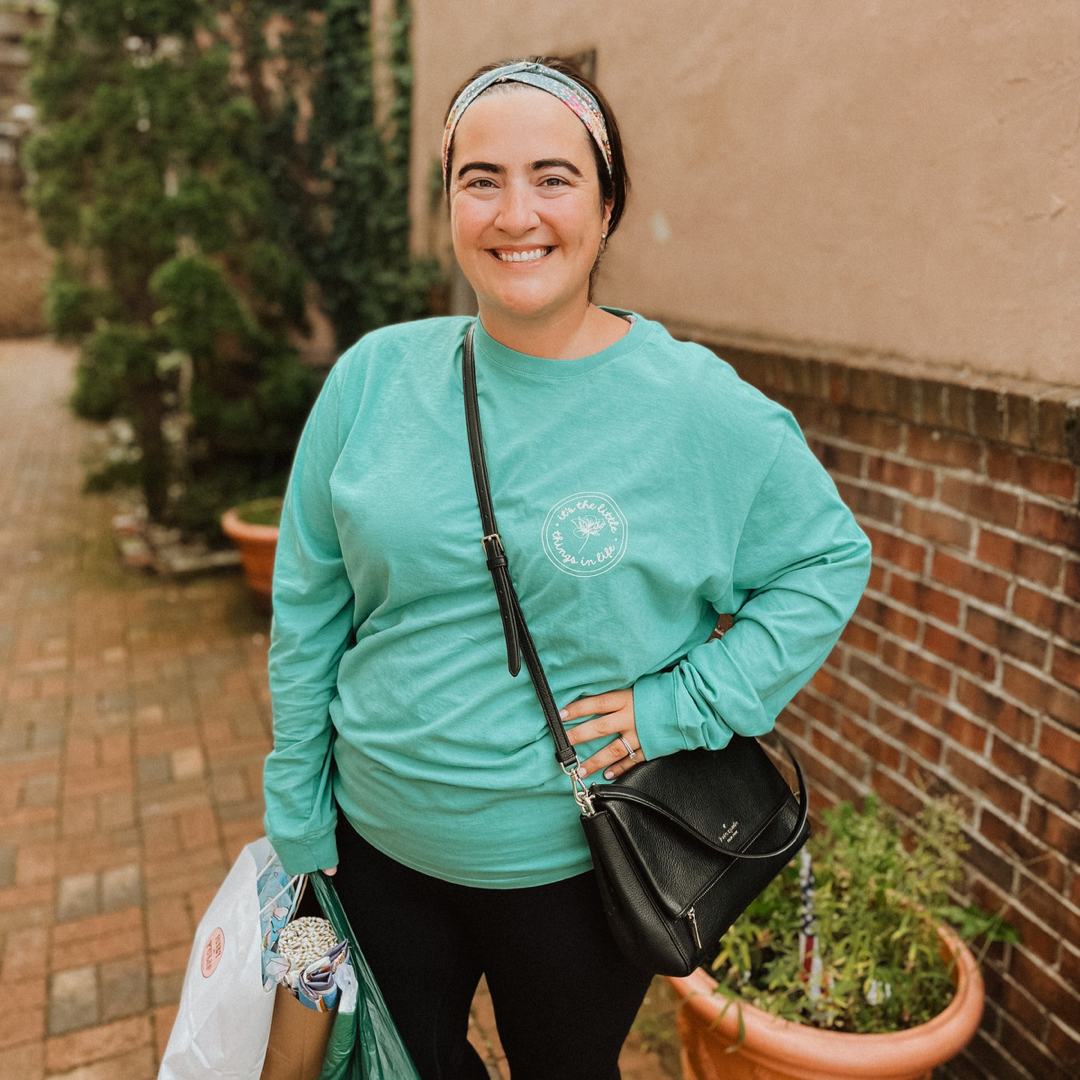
(133, 723)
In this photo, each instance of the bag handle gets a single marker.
(628, 793)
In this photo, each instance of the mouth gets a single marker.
(529, 255)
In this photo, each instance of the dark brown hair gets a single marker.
(613, 187)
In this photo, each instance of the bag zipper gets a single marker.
(691, 914)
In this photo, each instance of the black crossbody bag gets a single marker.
(680, 844)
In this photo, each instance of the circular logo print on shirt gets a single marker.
(585, 534)
(211, 952)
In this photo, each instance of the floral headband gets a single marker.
(569, 91)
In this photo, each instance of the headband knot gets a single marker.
(569, 91)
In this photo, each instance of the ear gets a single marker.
(609, 205)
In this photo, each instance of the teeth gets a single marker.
(523, 256)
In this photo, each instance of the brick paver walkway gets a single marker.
(133, 723)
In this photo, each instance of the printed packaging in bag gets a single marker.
(223, 1021)
(307, 959)
(314, 979)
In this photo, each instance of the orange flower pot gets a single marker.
(257, 545)
(775, 1049)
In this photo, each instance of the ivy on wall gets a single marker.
(340, 170)
(197, 165)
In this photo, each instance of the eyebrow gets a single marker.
(556, 163)
(482, 166)
(537, 166)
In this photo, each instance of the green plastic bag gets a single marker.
(364, 1045)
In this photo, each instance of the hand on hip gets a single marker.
(612, 715)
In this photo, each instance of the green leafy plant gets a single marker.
(197, 165)
(172, 269)
(879, 897)
(333, 93)
(260, 512)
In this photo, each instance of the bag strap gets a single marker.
(515, 630)
(519, 640)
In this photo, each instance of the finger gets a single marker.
(625, 765)
(331, 872)
(612, 756)
(611, 724)
(608, 702)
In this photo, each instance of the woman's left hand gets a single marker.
(613, 715)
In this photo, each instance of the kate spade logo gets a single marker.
(728, 832)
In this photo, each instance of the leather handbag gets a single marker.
(680, 844)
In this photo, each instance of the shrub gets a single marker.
(189, 212)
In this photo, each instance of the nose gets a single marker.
(517, 211)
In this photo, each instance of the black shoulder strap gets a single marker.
(493, 549)
(515, 630)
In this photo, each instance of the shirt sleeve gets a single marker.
(312, 624)
(802, 562)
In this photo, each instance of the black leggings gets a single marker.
(563, 995)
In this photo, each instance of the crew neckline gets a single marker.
(544, 367)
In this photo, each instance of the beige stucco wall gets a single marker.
(839, 177)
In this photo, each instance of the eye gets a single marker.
(481, 182)
(554, 181)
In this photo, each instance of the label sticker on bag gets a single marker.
(212, 951)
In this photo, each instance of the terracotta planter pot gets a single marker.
(257, 545)
(775, 1049)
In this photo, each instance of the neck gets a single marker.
(569, 335)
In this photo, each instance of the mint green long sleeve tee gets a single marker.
(639, 492)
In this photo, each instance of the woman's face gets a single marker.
(525, 207)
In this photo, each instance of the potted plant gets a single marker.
(253, 528)
(846, 965)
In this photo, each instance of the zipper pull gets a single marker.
(691, 914)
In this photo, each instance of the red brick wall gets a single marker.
(961, 669)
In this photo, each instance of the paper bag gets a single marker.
(298, 1040)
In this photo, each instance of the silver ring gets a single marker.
(629, 749)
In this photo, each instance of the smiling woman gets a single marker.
(528, 223)
(641, 491)
(535, 175)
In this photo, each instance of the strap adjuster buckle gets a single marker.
(495, 552)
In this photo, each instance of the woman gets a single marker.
(640, 488)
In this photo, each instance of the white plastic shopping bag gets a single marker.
(223, 1022)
